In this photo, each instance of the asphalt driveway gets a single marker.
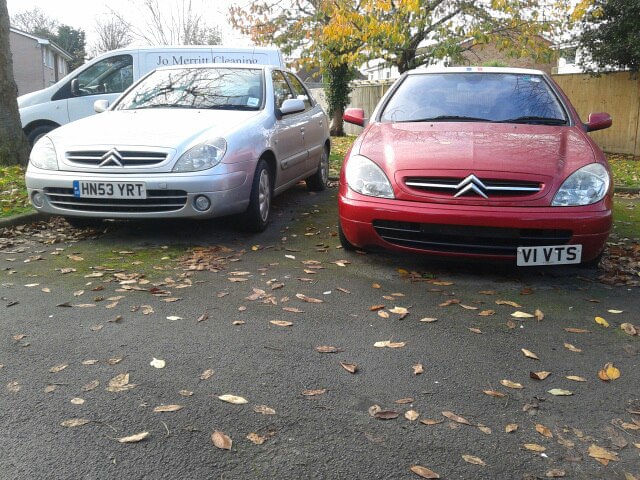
(117, 345)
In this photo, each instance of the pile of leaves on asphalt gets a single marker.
(49, 232)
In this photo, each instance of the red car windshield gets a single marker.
(477, 96)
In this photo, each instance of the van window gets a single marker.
(111, 75)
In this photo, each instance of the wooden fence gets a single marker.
(615, 93)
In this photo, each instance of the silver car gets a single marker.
(185, 142)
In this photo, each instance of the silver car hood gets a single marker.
(163, 128)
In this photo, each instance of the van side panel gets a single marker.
(166, 57)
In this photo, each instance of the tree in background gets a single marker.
(13, 143)
(112, 34)
(611, 35)
(180, 25)
(73, 42)
(339, 35)
(302, 30)
(37, 23)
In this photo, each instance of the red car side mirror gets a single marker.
(354, 115)
(598, 121)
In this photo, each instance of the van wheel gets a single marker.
(35, 134)
(319, 180)
(256, 217)
(83, 222)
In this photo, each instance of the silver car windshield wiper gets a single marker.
(160, 105)
(532, 119)
(450, 118)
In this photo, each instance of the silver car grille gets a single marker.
(157, 201)
(115, 158)
(473, 186)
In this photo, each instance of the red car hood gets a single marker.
(478, 148)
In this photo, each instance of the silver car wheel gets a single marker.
(264, 195)
(324, 167)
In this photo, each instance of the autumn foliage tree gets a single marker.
(340, 35)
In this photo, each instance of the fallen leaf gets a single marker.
(292, 310)
(203, 317)
(629, 329)
(385, 414)
(399, 310)
(389, 344)
(58, 368)
(313, 393)
(576, 330)
(418, 369)
(349, 367)
(615, 311)
(544, 431)
(75, 422)
(383, 314)
(428, 320)
(510, 384)
(264, 410)
(456, 418)
(520, 314)
(233, 399)
(601, 321)
(186, 393)
(206, 374)
(487, 313)
(221, 440)
(509, 303)
(572, 348)
(256, 439)
(77, 401)
(423, 472)
(484, 429)
(538, 315)
(539, 375)
(328, 349)
(430, 421)
(157, 363)
(304, 298)
(575, 378)
(281, 323)
(120, 383)
(529, 354)
(138, 437)
(555, 473)
(609, 372)
(602, 455)
(411, 415)
(90, 386)
(494, 393)
(475, 330)
(510, 428)
(404, 401)
(534, 447)
(174, 318)
(473, 460)
(167, 408)
(559, 392)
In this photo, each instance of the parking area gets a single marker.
(189, 350)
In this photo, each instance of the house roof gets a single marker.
(43, 41)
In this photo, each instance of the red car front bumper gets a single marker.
(470, 231)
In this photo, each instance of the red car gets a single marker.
(489, 163)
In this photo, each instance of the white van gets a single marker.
(107, 76)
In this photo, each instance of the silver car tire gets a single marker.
(256, 217)
(319, 180)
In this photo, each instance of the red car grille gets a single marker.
(464, 187)
(467, 239)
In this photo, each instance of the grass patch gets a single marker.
(626, 217)
(339, 147)
(13, 192)
(625, 169)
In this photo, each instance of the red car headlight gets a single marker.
(367, 178)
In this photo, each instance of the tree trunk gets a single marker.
(337, 124)
(13, 144)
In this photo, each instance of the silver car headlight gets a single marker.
(583, 187)
(367, 178)
(43, 155)
(203, 156)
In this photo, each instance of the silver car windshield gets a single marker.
(473, 97)
(201, 88)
